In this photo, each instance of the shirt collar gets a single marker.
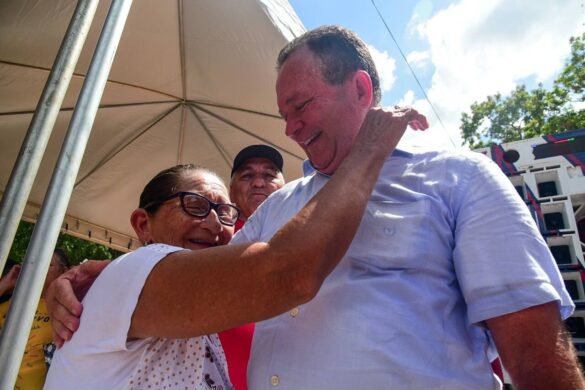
(308, 169)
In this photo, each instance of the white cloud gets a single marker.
(421, 12)
(437, 136)
(481, 48)
(407, 99)
(433, 138)
(386, 66)
(418, 59)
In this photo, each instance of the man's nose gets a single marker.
(258, 181)
(293, 127)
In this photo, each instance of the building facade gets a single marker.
(549, 174)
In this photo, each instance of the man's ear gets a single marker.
(141, 225)
(364, 88)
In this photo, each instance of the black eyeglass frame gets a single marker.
(211, 205)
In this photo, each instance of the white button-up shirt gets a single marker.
(445, 243)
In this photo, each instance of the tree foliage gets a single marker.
(525, 114)
(76, 249)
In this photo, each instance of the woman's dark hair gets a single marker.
(166, 183)
(341, 52)
(7, 267)
(63, 259)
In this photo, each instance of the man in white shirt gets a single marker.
(446, 261)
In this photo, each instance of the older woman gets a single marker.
(149, 320)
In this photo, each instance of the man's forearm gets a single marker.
(559, 371)
(536, 349)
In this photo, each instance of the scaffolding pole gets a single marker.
(38, 256)
(34, 145)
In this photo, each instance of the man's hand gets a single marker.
(64, 295)
(8, 282)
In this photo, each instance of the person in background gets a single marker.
(7, 282)
(39, 348)
(256, 173)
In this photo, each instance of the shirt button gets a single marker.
(389, 231)
(274, 380)
(294, 312)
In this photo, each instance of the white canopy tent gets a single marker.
(192, 82)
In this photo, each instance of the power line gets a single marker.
(413, 74)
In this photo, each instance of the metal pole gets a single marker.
(37, 259)
(39, 131)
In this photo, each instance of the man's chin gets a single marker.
(327, 169)
(256, 200)
(330, 165)
(324, 166)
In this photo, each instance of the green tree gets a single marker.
(525, 114)
(76, 249)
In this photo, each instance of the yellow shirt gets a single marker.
(33, 369)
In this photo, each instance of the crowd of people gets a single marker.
(380, 268)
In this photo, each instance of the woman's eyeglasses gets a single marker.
(199, 206)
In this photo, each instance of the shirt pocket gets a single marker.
(392, 235)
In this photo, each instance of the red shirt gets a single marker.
(238, 225)
(236, 344)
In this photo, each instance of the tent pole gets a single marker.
(34, 145)
(38, 256)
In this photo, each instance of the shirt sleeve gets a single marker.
(252, 229)
(110, 302)
(502, 262)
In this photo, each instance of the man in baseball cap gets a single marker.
(256, 173)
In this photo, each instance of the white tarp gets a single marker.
(192, 82)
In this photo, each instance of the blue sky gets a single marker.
(461, 50)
